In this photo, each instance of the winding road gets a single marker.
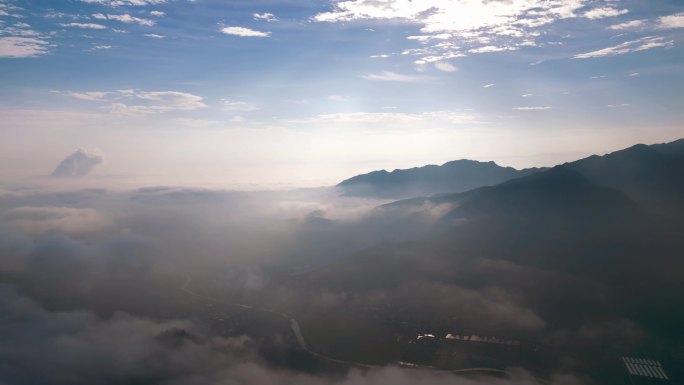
(296, 330)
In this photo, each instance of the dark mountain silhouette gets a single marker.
(451, 177)
(547, 203)
(557, 196)
(648, 176)
(652, 175)
(599, 211)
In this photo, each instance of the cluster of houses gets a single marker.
(483, 339)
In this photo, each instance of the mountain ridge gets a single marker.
(453, 176)
(650, 177)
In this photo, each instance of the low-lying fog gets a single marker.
(111, 286)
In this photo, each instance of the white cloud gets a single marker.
(52, 14)
(266, 16)
(137, 102)
(157, 13)
(604, 12)
(448, 25)
(491, 48)
(448, 117)
(17, 46)
(21, 31)
(338, 98)
(19, 40)
(623, 105)
(633, 74)
(633, 24)
(533, 108)
(641, 44)
(120, 3)
(244, 32)
(671, 21)
(155, 36)
(125, 18)
(488, 85)
(239, 106)
(91, 96)
(171, 100)
(83, 25)
(390, 76)
(382, 56)
(425, 38)
(526, 95)
(445, 66)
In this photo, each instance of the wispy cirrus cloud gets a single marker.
(99, 47)
(18, 47)
(83, 25)
(389, 76)
(244, 32)
(239, 106)
(446, 67)
(492, 48)
(121, 3)
(125, 18)
(633, 24)
(449, 117)
(456, 28)
(19, 40)
(138, 102)
(637, 45)
(266, 16)
(91, 95)
(604, 12)
(532, 108)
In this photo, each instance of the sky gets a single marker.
(306, 93)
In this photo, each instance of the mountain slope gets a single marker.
(559, 197)
(589, 215)
(652, 175)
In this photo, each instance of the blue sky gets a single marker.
(312, 91)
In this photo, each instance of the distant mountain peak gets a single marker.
(79, 163)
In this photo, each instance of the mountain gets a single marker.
(579, 245)
(651, 175)
(546, 202)
(579, 215)
(79, 163)
(557, 196)
(451, 177)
